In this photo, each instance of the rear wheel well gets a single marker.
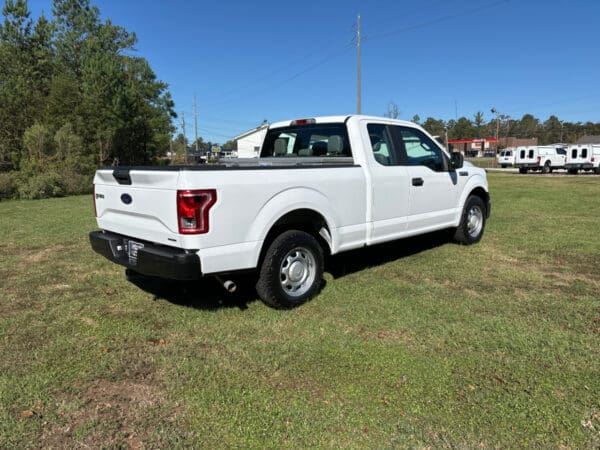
(306, 220)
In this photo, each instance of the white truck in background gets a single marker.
(506, 157)
(321, 186)
(543, 158)
(583, 157)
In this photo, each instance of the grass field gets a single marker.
(420, 343)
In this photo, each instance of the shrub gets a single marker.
(75, 183)
(8, 185)
(44, 185)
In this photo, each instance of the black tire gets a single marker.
(291, 272)
(472, 221)
(503, 166)
(522, 169)
(546, 167)
(597, 170)
(573, 171)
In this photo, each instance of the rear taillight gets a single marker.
(193, 208)
(593, 159)
(539, 159)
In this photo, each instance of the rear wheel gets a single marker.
(546, 167)
(573, 171)
(292, 270)
(597, 170)
(522, 169)
(472, 222)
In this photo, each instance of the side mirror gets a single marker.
(456, 160)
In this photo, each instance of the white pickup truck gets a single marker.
(543, 158)
(322, 185)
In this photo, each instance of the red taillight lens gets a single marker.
(539, 159)
(193, 208)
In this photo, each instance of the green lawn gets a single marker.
(420, 343)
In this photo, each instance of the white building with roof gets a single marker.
(250, 142)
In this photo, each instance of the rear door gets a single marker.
(390, 185)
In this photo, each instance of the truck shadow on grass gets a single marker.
(205, 294)
(208, 294)
(354, 261)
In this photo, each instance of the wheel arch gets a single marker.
(304, 219)
(474, 188)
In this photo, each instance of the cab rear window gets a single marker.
(316, 140)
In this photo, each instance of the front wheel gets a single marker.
(472, 222)
(522, 169)
(292, 270)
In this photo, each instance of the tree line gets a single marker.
(551, 131)
(73, 96)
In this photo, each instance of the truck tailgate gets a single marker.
(139, 203)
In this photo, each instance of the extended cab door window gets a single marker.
(417, 149)
(381, 144)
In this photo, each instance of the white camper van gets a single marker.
(583, 157)
(544, 158)
(506, 157)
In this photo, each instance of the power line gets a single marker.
(436, 21)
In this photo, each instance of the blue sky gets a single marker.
(249, 61)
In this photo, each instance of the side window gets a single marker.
(416, 149)
(530, 154)
(584, 152)
(561, 151)
(381, 144)
(574, 153)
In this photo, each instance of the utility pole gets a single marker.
(446, 137)
(495, 111)
(358, 38)
(184, 138)
(196, 122)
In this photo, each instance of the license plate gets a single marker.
(133, 251)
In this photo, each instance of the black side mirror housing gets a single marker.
(456, 160)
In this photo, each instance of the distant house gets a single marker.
(589, 139)
(250, 142)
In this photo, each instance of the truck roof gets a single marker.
(338, 119)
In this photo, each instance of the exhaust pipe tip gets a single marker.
(230, 286)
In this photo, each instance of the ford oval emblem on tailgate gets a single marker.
(126, 198)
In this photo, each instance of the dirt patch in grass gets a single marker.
(33, 256)
(106, 414)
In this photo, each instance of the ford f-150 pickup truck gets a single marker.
(320, 186)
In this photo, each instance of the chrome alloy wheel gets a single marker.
(297, 271)
(474, 221)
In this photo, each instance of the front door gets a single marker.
(433, 188)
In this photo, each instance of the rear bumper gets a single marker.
(578, 166)
(154, 260)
